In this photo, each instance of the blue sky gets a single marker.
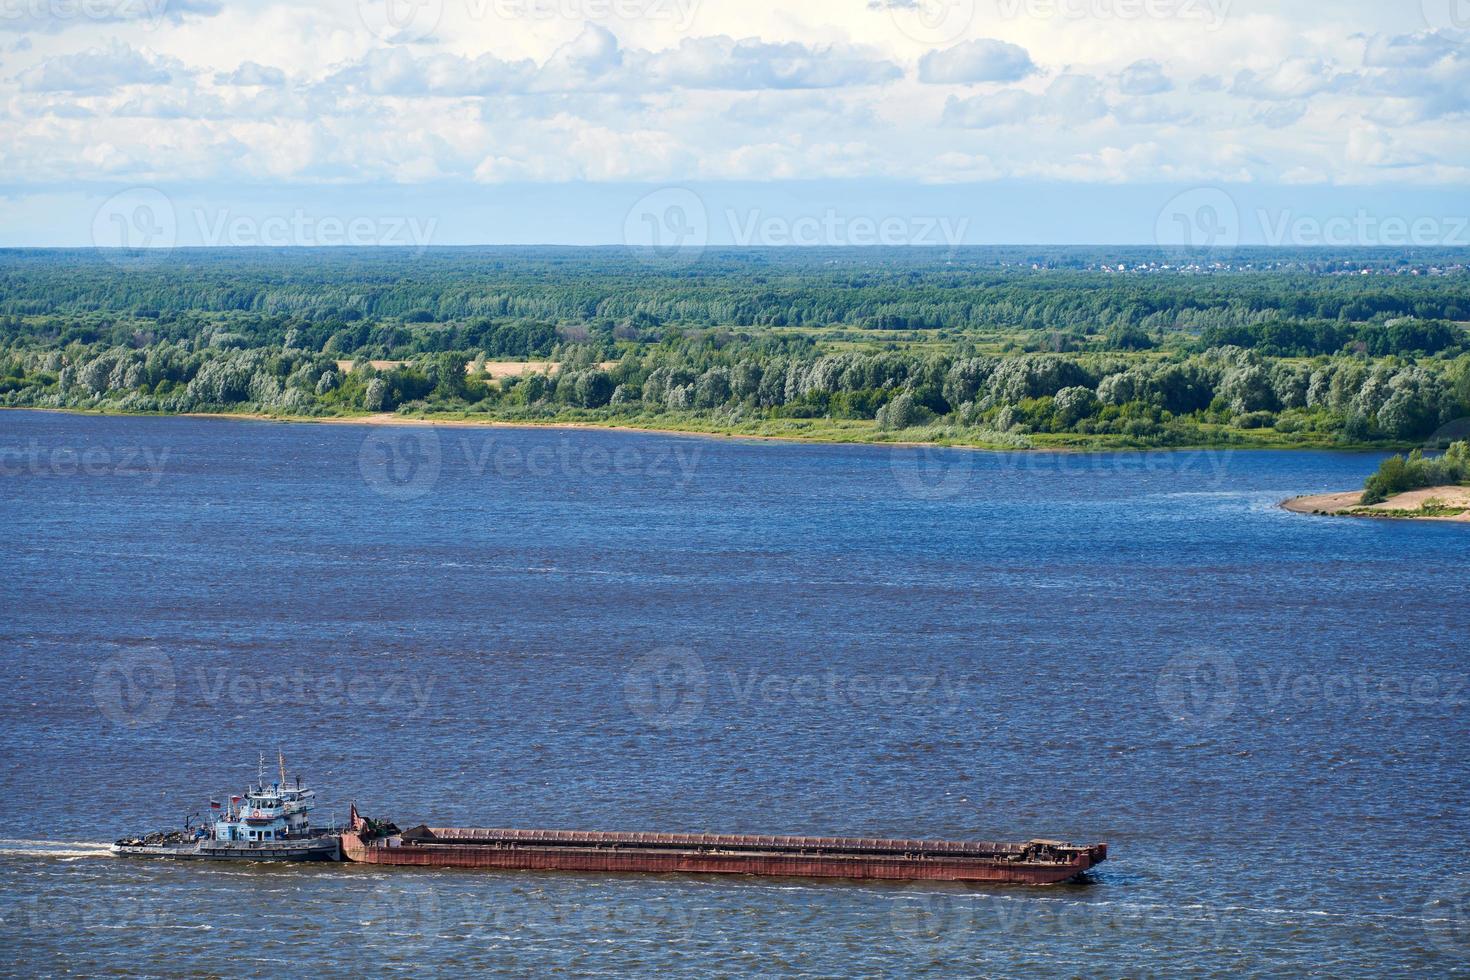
(832, 122)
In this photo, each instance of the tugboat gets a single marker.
(268, 823)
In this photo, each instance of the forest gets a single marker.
(987, 347)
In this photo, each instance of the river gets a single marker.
(1264, 714)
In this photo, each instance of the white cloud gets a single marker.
(750, 63)
(1071, 99)
(1423, 77)
(1075, 99)
(55, 16)
(1005, 108)
(984, 60)
(1410, 50)
(251, 73)
(1144, 78)
(1376, 148)
(749, 90)
(1294, 79)
(594, 62)
(1279, 115)
(398, 71)
(591, 55)
(95, 70)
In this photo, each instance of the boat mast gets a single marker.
(281, 758)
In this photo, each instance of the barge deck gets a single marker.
(1035, 862)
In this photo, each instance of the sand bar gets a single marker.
(1349, 504)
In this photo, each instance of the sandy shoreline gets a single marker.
(859, 438)
(391, 418)
(1349, 504)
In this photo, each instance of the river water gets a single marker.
(1264, 714)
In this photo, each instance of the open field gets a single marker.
(489, 369)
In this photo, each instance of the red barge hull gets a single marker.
(1038, 862)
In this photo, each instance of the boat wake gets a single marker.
(53, 848)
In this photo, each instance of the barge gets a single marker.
(271, 822)
(1035, 862)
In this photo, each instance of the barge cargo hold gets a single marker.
(1036, 862)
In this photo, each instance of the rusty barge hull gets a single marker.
(1030, 863)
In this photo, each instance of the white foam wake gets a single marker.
(52, 848)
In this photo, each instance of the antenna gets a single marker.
(281, 758)
(260, 773)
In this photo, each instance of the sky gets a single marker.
(734, 122)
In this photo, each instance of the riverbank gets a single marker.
(1427, 504)
(811, 431)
